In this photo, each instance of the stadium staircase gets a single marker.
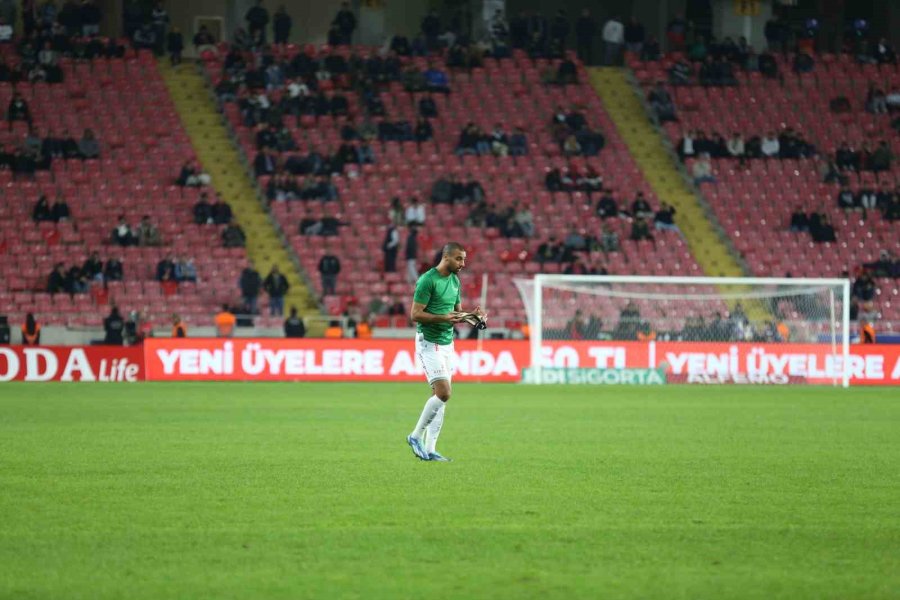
(222, 161)
(646, 147)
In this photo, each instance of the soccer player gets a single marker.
(436, 309)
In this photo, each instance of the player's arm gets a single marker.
(418, 315)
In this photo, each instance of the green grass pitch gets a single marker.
(292, 491)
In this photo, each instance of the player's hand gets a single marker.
(454, 316)
(480, 313)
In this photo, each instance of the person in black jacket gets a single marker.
(345, 23)
(175, 46)
(257, 19)
(281, 25)
(329, 268)
(114, 326)
(276, 286)
(293, 325)
(250, 284)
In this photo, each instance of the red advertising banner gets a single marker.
(311, 359)
(71, 363)
(498, 361)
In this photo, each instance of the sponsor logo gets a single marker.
(556, 375)
(61, 363)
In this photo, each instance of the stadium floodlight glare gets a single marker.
(690, 309)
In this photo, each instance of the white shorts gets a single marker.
(434, 358)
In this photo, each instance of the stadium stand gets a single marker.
(142, 148)
(509, 92)
(754, 199)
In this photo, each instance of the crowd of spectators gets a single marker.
(77, 279)
(453, 189)
(499, 142)
(817, 224)
(571, 131)
(789, 144)
(36, 152)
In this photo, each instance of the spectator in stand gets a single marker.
(345, 24)
(60, 212)
(92, 269)
(702, 170)
(281, 25)
(250, 284)
(846, 200)
(799, 220)
(192, 176)
(160, 18)
(607, 207)
(390, 246)
(415, 212)
(113, 270)
(329, 269)
(651, 51)
(736, 148)
(18, 110)
(257, 18)
(204, 41)
(424, 131)
(634, 36)
(662, 104)
(203, 210)
(293, 325)
(876, 100)
(866, 199)
(122, 234)
(412, 255)
(847, 159)
(549, 251)
(41, 210)
(88, 146)
(185, 270)
(864, 290)
(233, 236)
(114, 327)
(165, 268)
(771, 147)
(821, 229)
(640, 207)
(609, 240)
(276, 286)
(585, 29)
(574, 241)
(613, 39)
(884, 53)
(436, 80)
(687, 147)
(640, 230)
(175, 46)
(148, 233)
(524, 222)
(265, 163)
(56, 281)
(665, 218)
(881, 158)
(427, 107)
(90, 18)
(518, 143)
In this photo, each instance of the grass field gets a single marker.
(193, 491)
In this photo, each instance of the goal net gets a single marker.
(691, 329)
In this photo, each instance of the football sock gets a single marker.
(434, 430)
(428, 413)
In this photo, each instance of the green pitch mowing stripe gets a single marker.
(294, 491)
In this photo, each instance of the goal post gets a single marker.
(750, 318)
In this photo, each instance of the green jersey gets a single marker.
(440, 295)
